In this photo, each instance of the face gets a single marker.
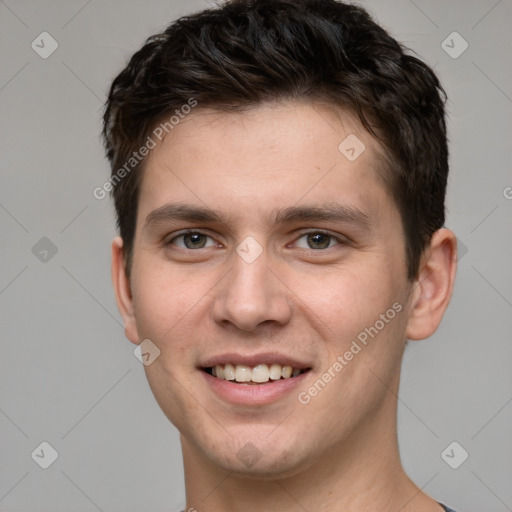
(261, 246)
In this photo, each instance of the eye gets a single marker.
(192, 240)
(318, 240)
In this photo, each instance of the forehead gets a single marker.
(263, 159)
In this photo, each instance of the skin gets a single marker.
(339, 451)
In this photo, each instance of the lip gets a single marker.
(259, 394)
(254, 359)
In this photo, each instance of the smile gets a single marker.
(258, 374)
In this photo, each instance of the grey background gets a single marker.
(68, 375)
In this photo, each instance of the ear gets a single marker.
(123, 291)
(433, 288)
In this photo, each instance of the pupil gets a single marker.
(195, 240)
(320, 239)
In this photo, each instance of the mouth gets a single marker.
(259, 374)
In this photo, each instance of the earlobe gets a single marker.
(123, 291)
(434, 286)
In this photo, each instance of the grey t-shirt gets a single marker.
(448, 509)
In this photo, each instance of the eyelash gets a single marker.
(315, 232)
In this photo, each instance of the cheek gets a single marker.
(361, 366)
(163, 299)
(165, 386)
(363, 316)
(349, 298)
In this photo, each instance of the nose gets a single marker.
(251, 295)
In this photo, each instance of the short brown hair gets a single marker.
(247, 52)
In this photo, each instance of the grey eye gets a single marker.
(316, 240)
(192, 240)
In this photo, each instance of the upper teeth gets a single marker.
(258, 373)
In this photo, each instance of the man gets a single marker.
(279, 171)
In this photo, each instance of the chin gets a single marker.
(258, 457)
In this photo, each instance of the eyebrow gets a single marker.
(326, 212)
